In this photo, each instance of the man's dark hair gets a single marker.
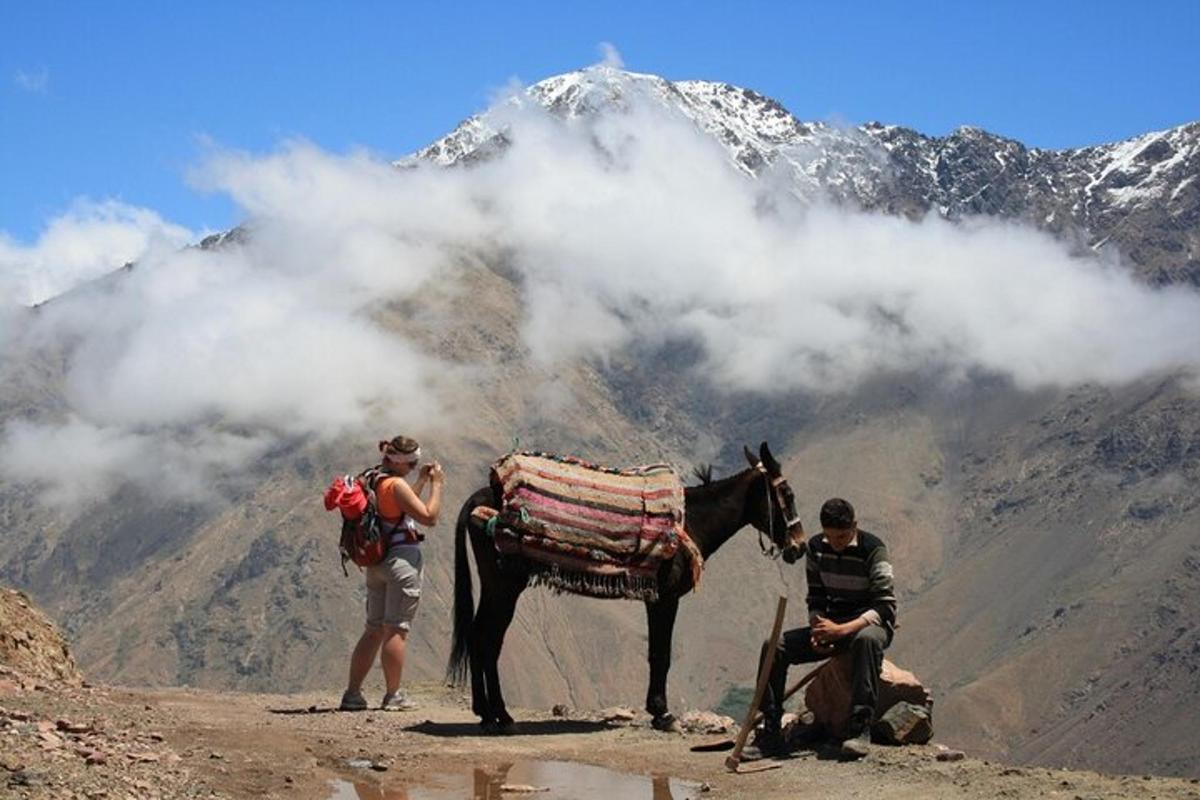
(837, 514)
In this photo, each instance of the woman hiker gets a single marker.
(394, 585)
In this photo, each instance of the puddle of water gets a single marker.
(535, 780)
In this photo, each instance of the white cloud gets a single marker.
(626, 227)
(91, 239)
(36, 81)
(610, 57)
(632, 225)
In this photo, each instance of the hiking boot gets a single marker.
(766, 744)
(352, 700)
(858, 745)
(398, 701)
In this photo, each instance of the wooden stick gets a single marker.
(795, 687)
(727, 744)
(764, 675)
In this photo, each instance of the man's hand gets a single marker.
(822, 649)
(825, 632)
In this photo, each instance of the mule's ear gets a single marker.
(753, 459)
(768, 460)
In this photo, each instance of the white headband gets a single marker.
(403, 458)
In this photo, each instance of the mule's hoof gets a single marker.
(666, 723)
(498, 727)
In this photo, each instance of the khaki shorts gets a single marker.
(394, 588)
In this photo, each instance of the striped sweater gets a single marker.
(856, 582)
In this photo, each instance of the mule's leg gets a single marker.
(481, 623)
(478, 658)
(505, 605)
(661, 619)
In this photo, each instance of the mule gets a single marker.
(715, 510)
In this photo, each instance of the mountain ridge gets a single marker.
(1092, 192)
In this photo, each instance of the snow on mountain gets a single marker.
(1140, 194)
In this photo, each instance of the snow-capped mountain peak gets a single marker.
(1121, 193)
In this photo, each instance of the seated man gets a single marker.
(851, 606)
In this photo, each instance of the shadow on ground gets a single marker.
(541, 727)
(308, 710)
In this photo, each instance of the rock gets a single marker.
(560, 710)
(521, 788)
(359, 763)
(67, 726)
(49, 741)
(11, 764)
(24, 778)
(380, 766)
(951, 755)
(706, 722)
(828, 696)
(618, 714)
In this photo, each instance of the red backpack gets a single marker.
(363, 540)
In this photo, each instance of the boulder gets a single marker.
(828, 696)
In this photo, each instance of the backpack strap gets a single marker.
(370, 478)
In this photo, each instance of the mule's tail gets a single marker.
(464, 601)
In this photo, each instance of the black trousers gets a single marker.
(795, 647)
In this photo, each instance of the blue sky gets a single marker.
(118, 99)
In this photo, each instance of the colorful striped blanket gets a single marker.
(588, 529)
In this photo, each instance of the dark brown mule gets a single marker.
(715, 511)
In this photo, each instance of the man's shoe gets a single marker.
(398, 701)
(353, 701)
(766, 744)
(857, 746)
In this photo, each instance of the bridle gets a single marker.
(774, 487)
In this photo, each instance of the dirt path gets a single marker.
(141, 743)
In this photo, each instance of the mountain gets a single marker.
(1045, 542)
(1140, 196)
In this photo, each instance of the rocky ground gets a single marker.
(63, 738)
(59, 741)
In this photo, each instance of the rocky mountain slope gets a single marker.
(33, 651)
(1045, 543)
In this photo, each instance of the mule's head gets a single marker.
(772, 507)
